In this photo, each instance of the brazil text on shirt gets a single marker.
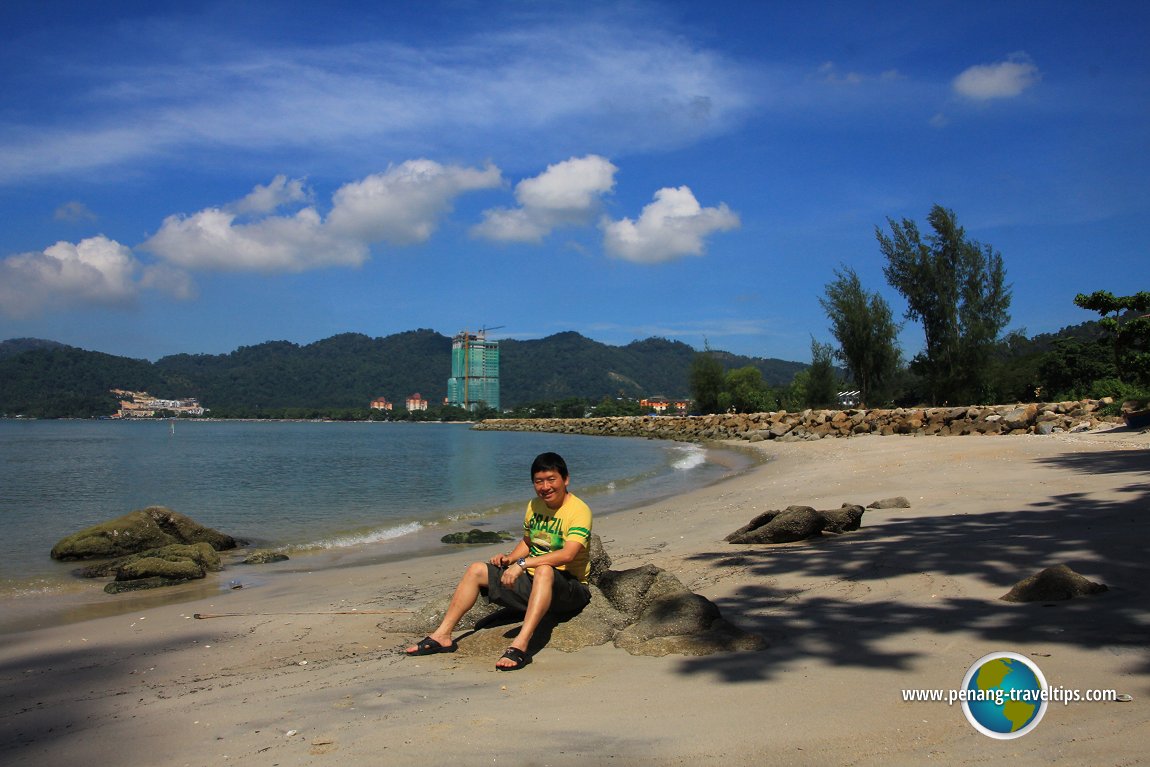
(554, 526)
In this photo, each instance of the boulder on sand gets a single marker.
(644, 610)
(165, 566)
(1054, 583)
(798, 523)
(137, 531)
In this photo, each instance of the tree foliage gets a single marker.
(746, 391)
(707, 381)
(956, 287)
(864, 327)
(1127, 324)
(820, 384)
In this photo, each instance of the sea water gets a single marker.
(306, 487)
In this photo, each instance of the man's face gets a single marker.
(551, 487)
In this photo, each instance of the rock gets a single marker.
(898, 502)
(117, 587)
(843, 520)
(475, 535)
(795, 523)
(165, 562)
(1054, 583)
(757, 522)
(644, 610)
(165, 566)
(682, 612)
(138, 531)
(264, 557)
(625, 589)
(599, 560)
(157, 567)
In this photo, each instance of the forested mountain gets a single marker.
(347, 370)
(62, 381)
(20, 345)
(570, 365)
(46, 379)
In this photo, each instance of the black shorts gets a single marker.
(568, 595)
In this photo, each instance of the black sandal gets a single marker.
(428, 646)
(517, 656)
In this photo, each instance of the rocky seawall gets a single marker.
(1032, 418)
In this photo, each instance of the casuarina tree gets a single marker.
(864, 327)
(707, 380)
(956, 287)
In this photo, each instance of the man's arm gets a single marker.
(521, 549)
(566, 554)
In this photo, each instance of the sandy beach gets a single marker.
(294, 676)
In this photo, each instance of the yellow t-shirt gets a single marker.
(548, 531)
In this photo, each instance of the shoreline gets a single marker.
(911, 600)
(67, 599)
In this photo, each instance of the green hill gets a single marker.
(46, 379)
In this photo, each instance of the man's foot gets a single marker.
(512, 659)
(429, 646)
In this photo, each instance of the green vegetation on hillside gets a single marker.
(339, 376)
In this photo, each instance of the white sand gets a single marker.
(908, 601)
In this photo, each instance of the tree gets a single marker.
(1128, 329)
(706, 381)
(1068, 369)
(957, 288)
(748, 393)
(821, 384)
(865, 329)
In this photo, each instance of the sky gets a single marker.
(195, 177)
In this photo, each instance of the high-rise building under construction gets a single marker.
(474, 371)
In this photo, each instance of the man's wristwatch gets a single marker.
(522, 562)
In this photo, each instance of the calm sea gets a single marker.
(387, 489)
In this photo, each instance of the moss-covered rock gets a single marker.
(263, 557)
(475, 535)
(137, 531)
(205, 558)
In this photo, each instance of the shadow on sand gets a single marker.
(1104, 540)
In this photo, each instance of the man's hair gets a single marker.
(549, 462)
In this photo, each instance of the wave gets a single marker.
(359, 539)
(691, 457)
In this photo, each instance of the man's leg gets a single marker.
(537, 606)
(466, 593)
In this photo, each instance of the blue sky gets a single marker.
(179, 177)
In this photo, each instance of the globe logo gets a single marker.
(1004, 695)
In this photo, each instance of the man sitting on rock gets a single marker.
(546, 571)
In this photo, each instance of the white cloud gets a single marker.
(1003, 80)
(566, 193)
(672, 226)
(400, 206)
(528, 86)
(403, 205)
(96, 271)
(211, 239)
(265, 199)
